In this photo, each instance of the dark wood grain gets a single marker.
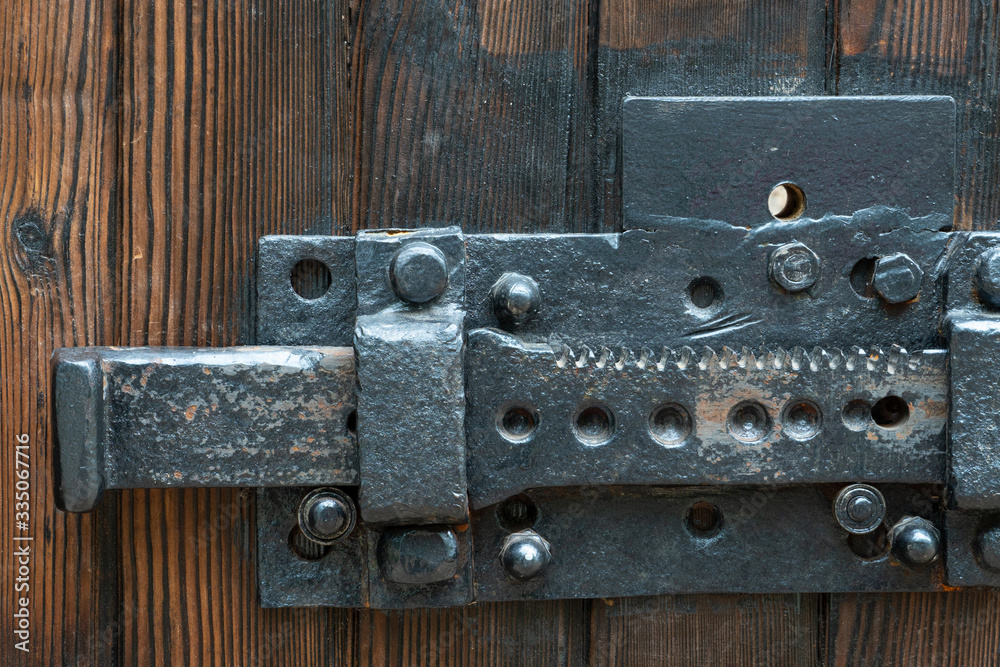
(234, 126)
(59, 215)
(957, 628)
(465, 112)
(706, 630)
(945, 47)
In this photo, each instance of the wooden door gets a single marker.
(145, 147)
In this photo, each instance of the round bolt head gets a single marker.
(326, 515)
(525, 555)
(418, 272)
(987, 278)
(859, 508)
(515, 298)
(897, 278)
(418, 555)
(794, 267)
(987, 548)
(915, 541)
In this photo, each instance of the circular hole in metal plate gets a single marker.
(890, 412)
(305, 548)
(801, 419)
(704, 519)
(670, 424)
(786, 201)
(704, 294)
(748, 421)
(517, 513)
(870, 545)
(517, 422)
(594, 424)
(311, 279)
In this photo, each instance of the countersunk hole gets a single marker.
(352, 423)
(890, 412)
(786, 201)
(517, 513)
(748, 421)
(594, 424)
(801, 419)
(670, 424)
(704, 293)
(862, 276)
(704, 519)
(517, 422)
(305, 548)
(857, 415)
(870, 545)
(311, 279)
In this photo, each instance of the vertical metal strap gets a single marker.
(411, 393)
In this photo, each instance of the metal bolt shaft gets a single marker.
(794, 266)
(525, 555)
(859, 508)
(915, 541)
(418, 272)
(515, 299)
(326, 515)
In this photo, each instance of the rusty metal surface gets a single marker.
(162, 417)
(808, 435)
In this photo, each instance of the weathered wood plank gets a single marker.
(706, 630)
(957, 628)
(59, 215)
(235, 126)
(464, 113)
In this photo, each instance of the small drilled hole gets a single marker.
(517, 423)
(594, 425)
(305, 548)
(748, 421)
(311, 279)
(704, 293)
(801, 419)
(862, 276)
(857, 415)
(352, 423)
(870, 545)
(517, 513)
(670, 424)
(704, 519)
(786, 201)
(890, 412)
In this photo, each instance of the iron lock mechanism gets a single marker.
(710, 400)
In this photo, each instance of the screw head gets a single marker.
(915, 541)
(987, 548)
(515, 298)
(418, 272)
(794, 266)
(525, 555)
(326, 515)
(987, 277)
(859, 508)
(897, 278)
(418, 555)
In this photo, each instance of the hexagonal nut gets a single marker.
(915, 541)
(897, 278)
(525, 554)
(794, 266)
(987, 277)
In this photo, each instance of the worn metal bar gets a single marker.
(166, 417)
(411, 398)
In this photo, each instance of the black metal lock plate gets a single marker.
(500, 416)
